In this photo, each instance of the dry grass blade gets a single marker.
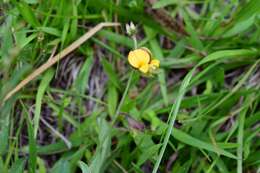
(57, 133)
(59, 56)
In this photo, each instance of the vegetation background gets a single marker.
(207, 88)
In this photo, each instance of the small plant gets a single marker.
(176, 91)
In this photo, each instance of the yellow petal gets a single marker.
(138, 58)
(144, 68)
(155, 63)
(147, 50)
(133, 60)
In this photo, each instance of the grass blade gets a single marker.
(28, 14)
(84, 167)
(41, 90)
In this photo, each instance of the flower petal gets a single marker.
(133, 60)
(155, 62)
(144, 68)
(138, 58)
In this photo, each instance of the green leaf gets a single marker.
(41, 90)
(50, 30)
(240, 136)
(84, 167)
(41, 166)
(28, 14)
(148, 154)
(18, 166)
(31, 1)
(174, 63)
(2, 167)
(248, 10)
(65, 31)
(228, 54)
(112, 75)
(4, 134)
(178, 50)
(164, 3)
(81, 82)
(32, 144)
(193, 38)
(23, 39)
(74, 21)
(117, 38)
(240, 27)
(158, 54)
(63, 165)
(103, 149)
(112, 100)
(189, 140)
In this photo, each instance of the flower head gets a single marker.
(142, 60)
(131, 29)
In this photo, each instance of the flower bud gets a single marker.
(131, 29)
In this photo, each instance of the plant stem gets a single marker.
(135, 41)
(123, 97)
(127, 87)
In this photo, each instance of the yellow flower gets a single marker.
(142, 60)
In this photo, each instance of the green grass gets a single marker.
(91, 112)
